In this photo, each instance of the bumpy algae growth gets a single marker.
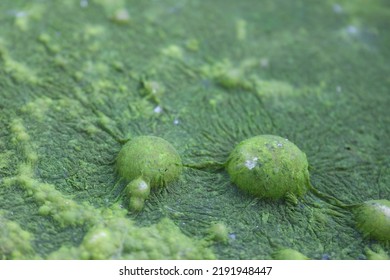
(150, 157)
(288, 254)
(120, 239)
(15, 243)
(269, 166)
(373, 219)
(218, 232)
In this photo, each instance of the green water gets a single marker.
(78, 78)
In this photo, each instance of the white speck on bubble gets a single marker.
(142, 186)
(384, 209)
(251, 163)
(352, 30)
(98, 236)
(280, 145)
(158, 110)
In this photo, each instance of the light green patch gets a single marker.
(93, 31)
(288, 254)
(192, 45)
(241, 26)
(377, 254)
(119, 238)
(19, 71)
(152, 90)
(121, 16)
(15, 243)
(273, 89)
(38, 108)
(32, 12)
(173, 51)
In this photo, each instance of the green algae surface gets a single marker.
(78, 78)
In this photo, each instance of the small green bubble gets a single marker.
(269, 166)
(138, 188)
(136, 203)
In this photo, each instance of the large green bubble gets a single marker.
(373, 219)
(151, 158)
(269, 166)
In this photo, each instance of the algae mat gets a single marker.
(80, 78)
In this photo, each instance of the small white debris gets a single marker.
(176, 121)
(337, 8)
(121, 16)
(338, 89)
(280, 145)
(158, 109)
(232, 236)
(20, 14)
(84, 3)
(264, 62)
(352, 30)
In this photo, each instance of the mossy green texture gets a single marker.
(150, 157)
(373, 219)
(288, 254)
(269, 166)
(71, 90)
(119, 238)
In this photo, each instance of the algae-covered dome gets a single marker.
(150, 157)
(269, 166)
(373, 219)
